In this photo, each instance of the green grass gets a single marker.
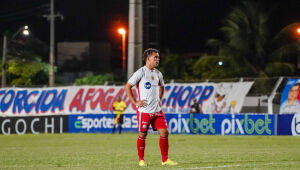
(106, 151)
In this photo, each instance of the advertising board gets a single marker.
(99, 99)
(33, 124)
(288, 124)
(212, 124)
(221, 124)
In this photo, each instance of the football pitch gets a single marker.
(107, 151)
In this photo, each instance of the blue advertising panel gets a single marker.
(212, 124)
(288, 124)
(284, 124)
(100, 123)
(221, 124)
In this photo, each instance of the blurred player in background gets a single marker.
(195, 107)
(119, 106)
(150, 85)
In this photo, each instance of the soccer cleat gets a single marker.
(169, 162)
(142, 163)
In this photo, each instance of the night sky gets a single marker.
(185, 24)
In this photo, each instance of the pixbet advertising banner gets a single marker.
(221, 124)
(290, 97)
(213, 124)
(214, 98)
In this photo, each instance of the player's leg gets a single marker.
(141, 145)
(164, 143)
(121, 123)
(161, 126)
(143, 119)
(115, 124)
(114, 128)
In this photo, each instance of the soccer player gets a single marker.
(150, 85)
(119, 106)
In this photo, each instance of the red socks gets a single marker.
(163, 143)
(164, 148)
(141, 147)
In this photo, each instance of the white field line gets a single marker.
(210, 167)
(215, 167)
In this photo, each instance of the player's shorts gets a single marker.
(156, 120)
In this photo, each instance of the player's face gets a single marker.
(293, 92)
(154, 59)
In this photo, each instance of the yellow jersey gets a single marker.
(119, 107)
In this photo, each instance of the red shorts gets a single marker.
(157, 121)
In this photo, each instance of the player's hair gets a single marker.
(297, 84)
(147, 53)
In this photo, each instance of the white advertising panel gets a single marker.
(213, 97)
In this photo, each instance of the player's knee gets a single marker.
(142, 135)
(164, 133)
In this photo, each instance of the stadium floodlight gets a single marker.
(298, 39)
(25, 31)
(298, 30)
(220, 63)
(122, 31)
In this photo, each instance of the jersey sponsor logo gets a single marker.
(147, 85)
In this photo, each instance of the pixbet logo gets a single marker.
(296, 125)
(179, 125)
(246, 125)
(147, 85)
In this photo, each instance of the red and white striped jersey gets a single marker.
(148, 83)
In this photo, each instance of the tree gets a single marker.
(25, 65)
(247, 47)
(169, 65)
(208, 67)
(95, 79)
(23, 72)
(173, 66)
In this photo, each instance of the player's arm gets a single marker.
(161, 86)
(200, 108)
(161, 92)
(132, 98)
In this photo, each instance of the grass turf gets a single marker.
(106, 151)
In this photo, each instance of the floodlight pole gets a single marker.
(51, 51)
(135, 36)
(124, 51)
(3, 78)
(4, 53)
(51, 17)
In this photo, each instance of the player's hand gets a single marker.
(141, 103)
(160, 103)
